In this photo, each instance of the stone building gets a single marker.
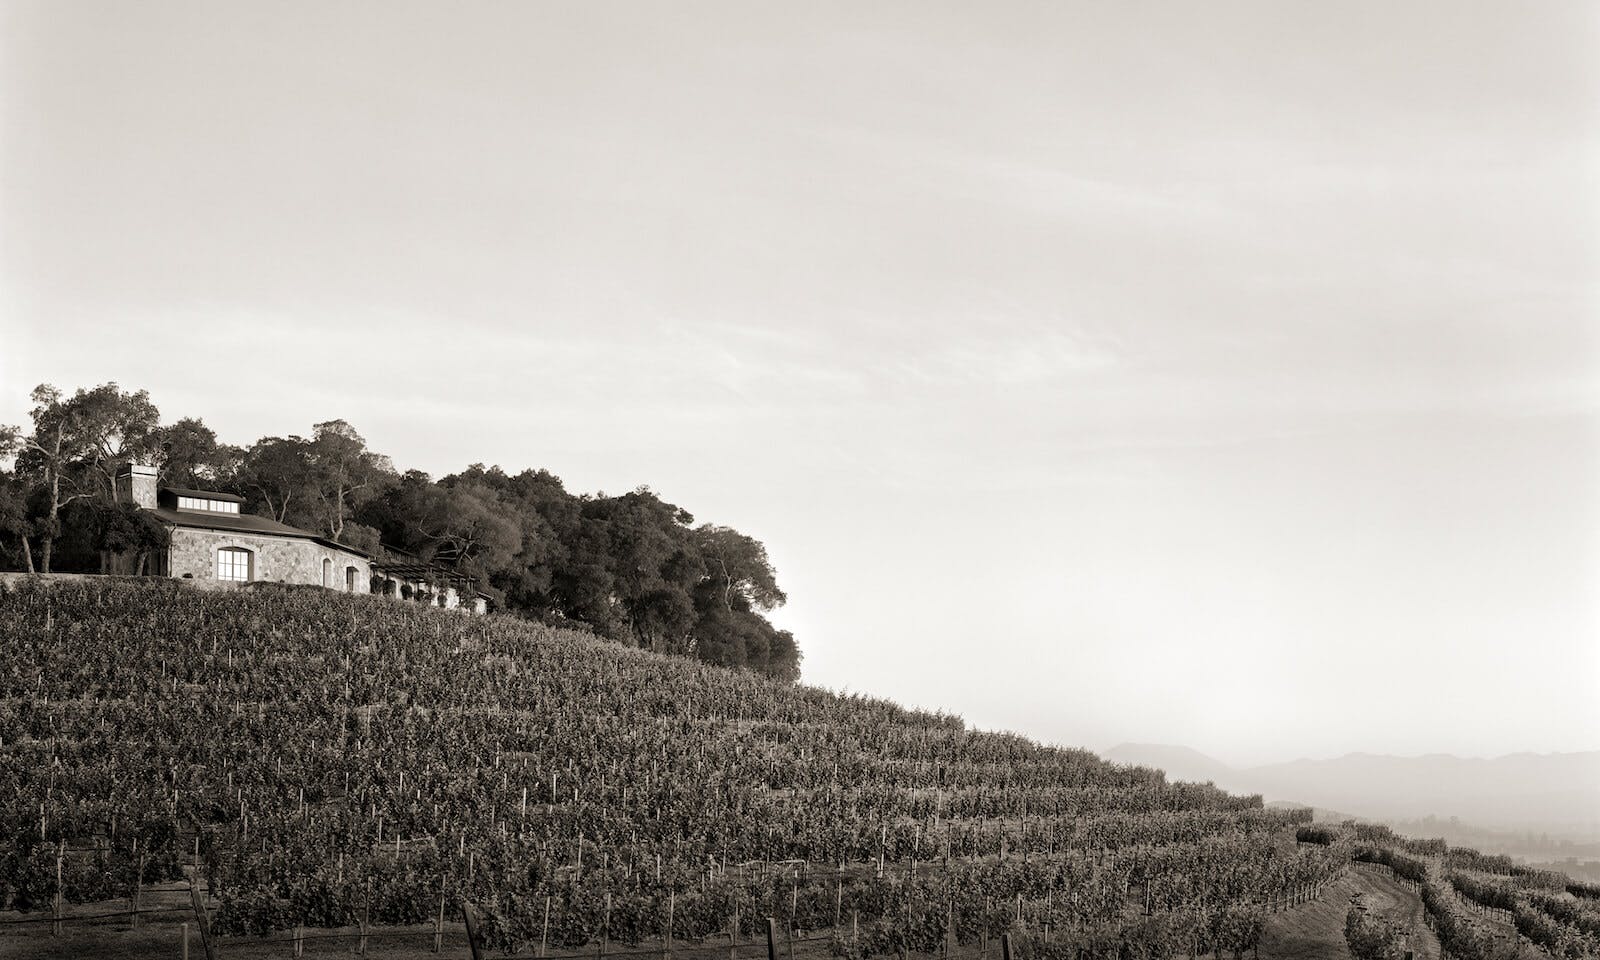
(212, 541)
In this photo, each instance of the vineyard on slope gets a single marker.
(1481, 907)
(333, 756)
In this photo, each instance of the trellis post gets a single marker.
(772, 935)
(202, 922)
(438, 926)
(61, 856)
(138, 877)
(666, 939)
(470, 918)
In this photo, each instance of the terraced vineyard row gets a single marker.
(342, 757)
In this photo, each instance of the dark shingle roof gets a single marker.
(246, 523)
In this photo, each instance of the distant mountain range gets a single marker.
(1557, 794)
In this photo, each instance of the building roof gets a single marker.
(203, 494)
(246, 523)
(420, 571)
(402, 565)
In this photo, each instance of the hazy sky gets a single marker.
(1212, 373)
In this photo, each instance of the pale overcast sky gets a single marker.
(1221, 374)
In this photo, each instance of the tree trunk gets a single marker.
(48, 540)
(27, 552)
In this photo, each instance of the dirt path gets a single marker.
(1316, 931)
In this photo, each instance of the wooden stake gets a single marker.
(838, 894)
(202, 921)
(61, 855)
(438, 927)
(666, 941)
(470, 917)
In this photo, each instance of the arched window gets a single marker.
(234, 564)
(327, 572)
(350, 579)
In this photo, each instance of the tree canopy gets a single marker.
(634, 568)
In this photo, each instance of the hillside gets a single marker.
(1524, 804)
(335, 758)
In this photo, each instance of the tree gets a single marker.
(123, 528)
(344, 473)
(548, 519)
(14, 520)
(467, 526)
(186, 453)
(116, 427)
(52, 457)
(319, 484)
(738, 564)
(645, 546)
(275, 475)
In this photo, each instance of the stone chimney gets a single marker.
(136, 484)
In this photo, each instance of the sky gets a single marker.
(1218, 374)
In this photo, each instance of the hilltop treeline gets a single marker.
(633, 568)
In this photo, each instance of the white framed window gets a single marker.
(350, 574)
(233, 564)
(202, 503)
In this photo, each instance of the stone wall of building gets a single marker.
(193, 555)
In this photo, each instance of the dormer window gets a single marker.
(203, 503)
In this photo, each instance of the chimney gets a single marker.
(136, 484)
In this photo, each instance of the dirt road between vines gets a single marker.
(1315, 931)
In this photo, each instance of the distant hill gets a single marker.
(1556, 794)
(1180, 763)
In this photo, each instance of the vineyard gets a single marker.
(311, 760)
(1480, 907)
